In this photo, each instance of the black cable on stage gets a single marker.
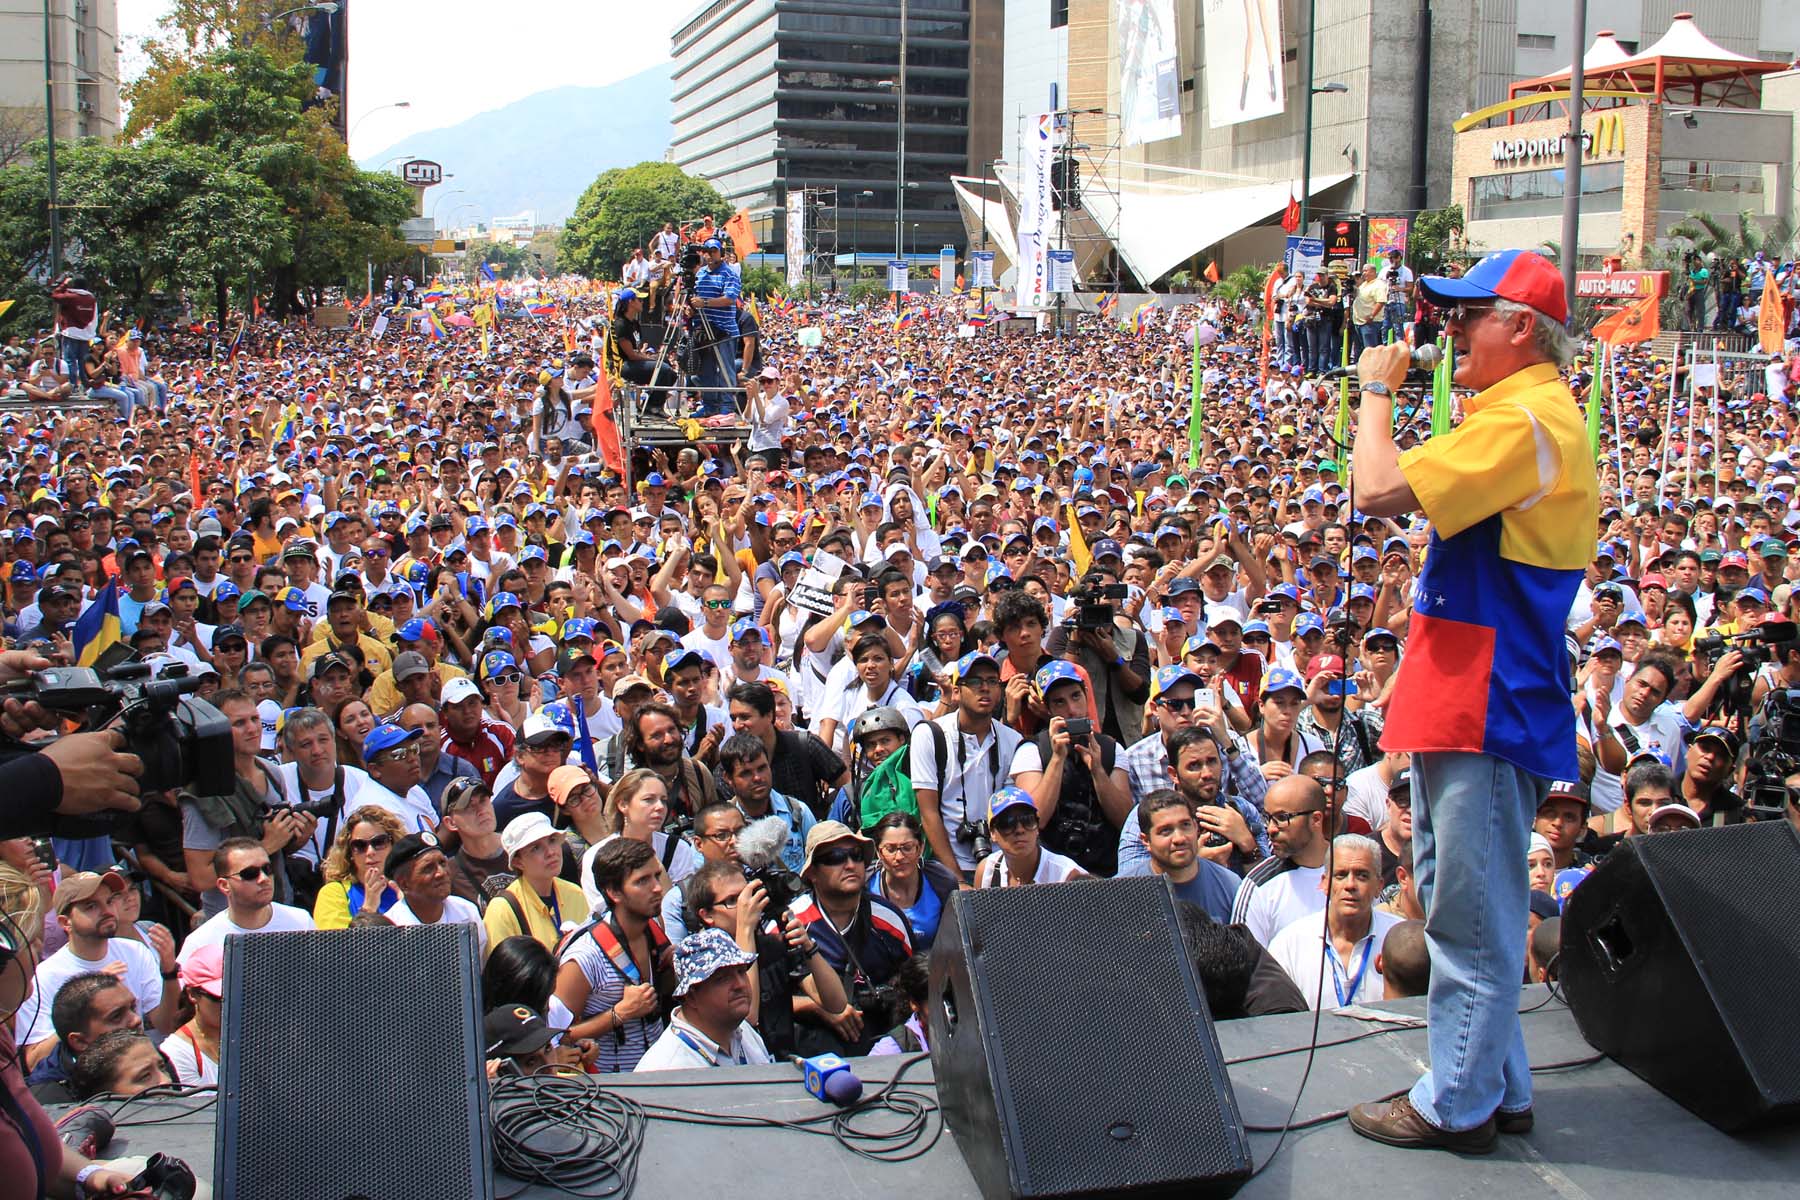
(566, 1132)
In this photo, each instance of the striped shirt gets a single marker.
(606, 987)
(710, 285)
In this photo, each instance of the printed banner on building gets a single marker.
(1343, 241)
(796, 238)
(1244, 80)
(1149, 71)
(1388, 233)
(1304, 256)
(1034, 210)
(898, 276)
(1062, 272)
(981, 268)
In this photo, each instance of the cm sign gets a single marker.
(421, 172)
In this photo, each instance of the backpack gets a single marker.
(887, 790)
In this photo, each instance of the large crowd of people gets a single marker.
(703, 748)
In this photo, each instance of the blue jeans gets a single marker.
(119, 396)
(72, 353)
(1369, 335)
(716, 366)
(1472, 816)
(1396, 322)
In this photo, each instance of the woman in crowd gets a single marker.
(904, 879)
(193, 1050)
(354, 868)
(354, 720)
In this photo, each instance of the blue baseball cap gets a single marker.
(744, 627)
(685, 656)
(386, 737)
(419, 629)
(1105, 548)
(967, 662)
(1281, 680)
(579, 627)
(23, 572)
(292, 598)
(1057, 671)
(1170, 677)
(496, 661)
(1009, 797)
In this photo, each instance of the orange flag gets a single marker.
(1212, 272)
(194, 480)
(742, 239)
(606, 425)
(1770, 319)
(1636, 322)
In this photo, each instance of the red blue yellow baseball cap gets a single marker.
(1517, 275)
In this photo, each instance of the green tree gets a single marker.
(505, 258)
(1429, 237)
(544, 253)
(1709, 235)
(624, 207)
(1246, 280)
(762, 282)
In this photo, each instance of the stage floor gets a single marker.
(1601, 1132)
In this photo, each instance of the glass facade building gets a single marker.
(774, 95)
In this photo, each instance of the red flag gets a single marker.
(1290, 217)
(606, 426)
(1212, 272)
(194, 480)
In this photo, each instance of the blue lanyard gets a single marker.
(712, 1060)
(555, 907)
(1338, 971)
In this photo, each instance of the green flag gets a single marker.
(1596, 398)
(1342, 432)
(1196, 409)
(1440, 390)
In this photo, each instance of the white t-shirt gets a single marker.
(143, 975)
(1051, 868)
(856, 701)
(1296, 948)
(1368, 796)
(767, 433)
(192, 1067)
(1662, 731)
(1269, 906)
(355, 780)
(217, 928)
(973, 768)
(719, 647)
(414, 809)
(684, 1048)
(455, 909)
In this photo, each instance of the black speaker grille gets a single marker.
(1728, 891)
(354, 1067)
(1116, 994)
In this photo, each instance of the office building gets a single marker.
(84, 67)
(777, 96)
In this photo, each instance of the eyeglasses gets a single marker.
(1282, 818)
(980, 681)
(716, 604)
(241, 558)
(378, 842)
(1463, 314)
(900, 849)
(253, 874)
(723, 837)
(837, 856)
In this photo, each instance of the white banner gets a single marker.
(898, 275)
(946, 271)
(796, 238)
(1244, 74)
(981, 268)
(1062, 271)
(1034, 210)
(1149, 70)
(812, 592)
(379, 327)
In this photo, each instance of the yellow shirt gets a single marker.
(541, 924)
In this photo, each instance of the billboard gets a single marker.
(1034, 210)
(796, 237)
(421, 172)
(1387, 233)
(1244, 77)
(1343, 241)
(1149, 71)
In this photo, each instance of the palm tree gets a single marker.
(1709, 235)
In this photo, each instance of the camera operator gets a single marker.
(862, 936)
(718, 896)
(1117, 662)
(715, 302)
(258, 808)
(80, 774)
(1073, 775)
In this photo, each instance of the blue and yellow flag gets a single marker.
(98, 627)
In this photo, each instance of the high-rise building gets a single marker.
(84, 67)
(771, 97)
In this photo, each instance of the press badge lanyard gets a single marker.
(1337, 971)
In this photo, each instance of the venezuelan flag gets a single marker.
(98, 627)
(434, 325)
(903, 319)
(1109, 305)
(1140, 319)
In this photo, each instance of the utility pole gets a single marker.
(50, 154)
(1571, 222)
(900, 141)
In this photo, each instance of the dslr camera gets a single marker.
(183, 742)
(1094, 605)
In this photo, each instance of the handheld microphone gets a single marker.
(1424, 358)
(829, 1078)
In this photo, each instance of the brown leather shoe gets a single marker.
(1397, 1123)
(1516, 1123)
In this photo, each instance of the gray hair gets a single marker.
(1548, 336)
(302, 722)
(1356, 843)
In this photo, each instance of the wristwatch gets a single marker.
(1378, 387)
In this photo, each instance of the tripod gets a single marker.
(686, 356)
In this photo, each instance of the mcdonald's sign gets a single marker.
(1604, 136)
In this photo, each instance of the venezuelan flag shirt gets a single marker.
(1513, 500)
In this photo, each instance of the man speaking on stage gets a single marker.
(1482, 699)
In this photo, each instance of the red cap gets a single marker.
(1653, 580)
(1322, 663)
(1517, 275)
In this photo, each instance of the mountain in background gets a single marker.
(541, 152)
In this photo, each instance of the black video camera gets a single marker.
(1094, 605)
(783, 886)
(1755, 647)
(183, 742)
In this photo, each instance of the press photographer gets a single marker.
(1116, 657)
(863, 937)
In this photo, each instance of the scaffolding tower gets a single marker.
(819, 243)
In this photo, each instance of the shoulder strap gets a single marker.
(518, 911)
(940, 747)
(671, 842)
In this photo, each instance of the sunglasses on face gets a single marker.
(506, 678)
(837, 856)
(716, 604)
(254, 874)
(1014, 822)
(399, 754)
(1177, 704)
(380, 841)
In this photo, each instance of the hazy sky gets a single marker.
(456, 58)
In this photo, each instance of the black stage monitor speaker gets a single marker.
(1073, 1048)
(1679, 959)
(355, 1067)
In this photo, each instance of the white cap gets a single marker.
(458, 690)
(540, 722)
(523, 830)
(1216, 613)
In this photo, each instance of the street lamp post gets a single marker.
(50, 155)
(1334, 88)
(372, 112)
